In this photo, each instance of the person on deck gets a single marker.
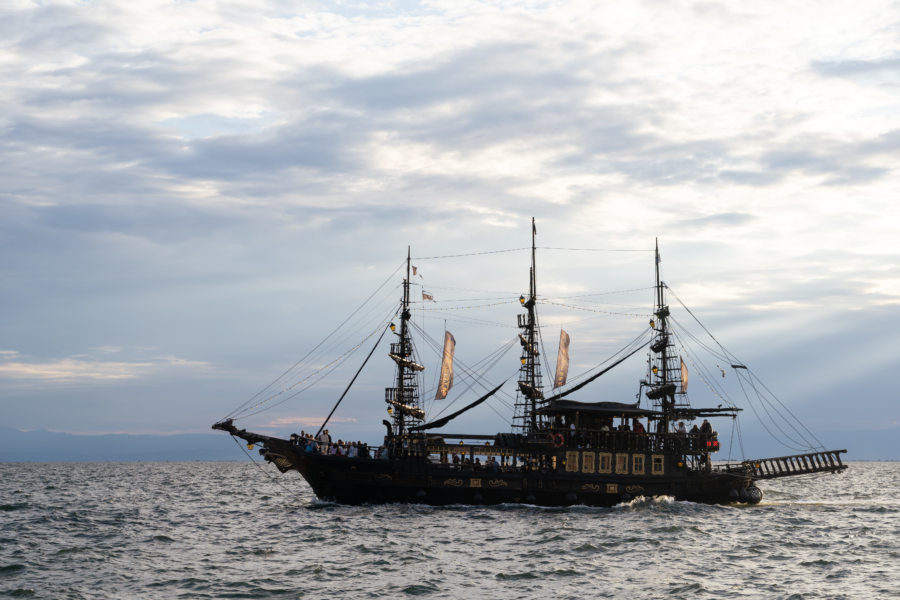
(323, 439)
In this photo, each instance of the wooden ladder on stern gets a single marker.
(827, 461)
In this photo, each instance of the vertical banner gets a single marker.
(562, 360)
(446, 381)
(684, 376)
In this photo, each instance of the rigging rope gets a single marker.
(235, 413)
(764, 402)
(597, 249)
(515, 301)
(262, 470)
(641, 289)
(332, 366)
(349, 385)
(536, 248)
(636, 343)
(769, 431)
(472, 374)
(471, 254)
(594, 310)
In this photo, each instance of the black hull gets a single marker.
(367, 481)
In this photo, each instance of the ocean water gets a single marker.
(235, 530)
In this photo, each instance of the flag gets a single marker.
(562, 360)
(415, 268)
(446, 381)
(427, 296)
(684, 377)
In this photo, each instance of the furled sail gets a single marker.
(684, 377)
(562, 360)
(406, 409)
(528, 347)
(406, 362)
(446, 381)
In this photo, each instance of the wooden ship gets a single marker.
(559, 451)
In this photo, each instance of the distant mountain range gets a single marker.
(47, 446)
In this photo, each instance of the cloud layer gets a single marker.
(218, 180)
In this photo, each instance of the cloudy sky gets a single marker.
(194, 194)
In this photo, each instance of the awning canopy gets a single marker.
(599, 409)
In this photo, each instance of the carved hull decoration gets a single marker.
(454, 482)
(497, 483)
(634, 489)
(591, 487)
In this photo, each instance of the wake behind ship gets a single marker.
(558, 452)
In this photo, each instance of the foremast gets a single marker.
(403, 399)
(530, 388)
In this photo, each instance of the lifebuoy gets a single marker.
(557, 440)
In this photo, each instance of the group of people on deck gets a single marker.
(322, 444)
(629, 434)
(705, 428)
(465, 462)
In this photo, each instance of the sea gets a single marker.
(242, 530)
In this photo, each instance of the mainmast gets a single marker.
(403, 399)
(530, 387)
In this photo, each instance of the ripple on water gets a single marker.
(189, 530)
(11, 569)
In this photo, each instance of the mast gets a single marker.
(662, 388)
(403, 398)
(530, 387)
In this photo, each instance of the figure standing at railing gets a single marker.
(694, 437)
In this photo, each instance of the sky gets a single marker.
(194, 194)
